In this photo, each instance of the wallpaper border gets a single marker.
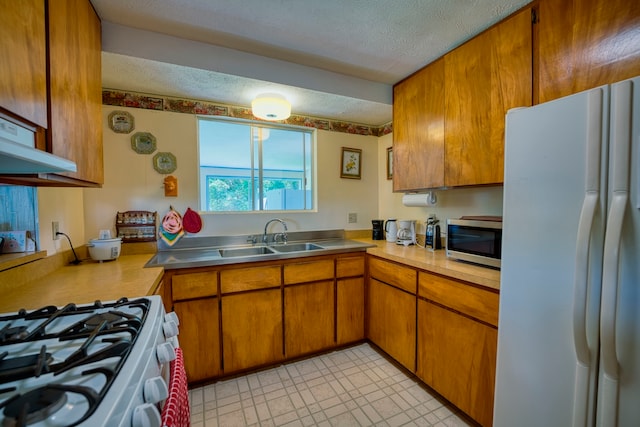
(120, 98)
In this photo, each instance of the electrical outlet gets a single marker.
(55, 227)
(353, 217)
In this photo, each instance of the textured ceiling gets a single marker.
(334, 59)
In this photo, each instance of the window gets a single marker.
(247, 167)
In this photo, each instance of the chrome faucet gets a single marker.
(284, 234)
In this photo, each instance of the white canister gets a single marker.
(391, 230)
(104, 249)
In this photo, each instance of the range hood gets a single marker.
(18, 154)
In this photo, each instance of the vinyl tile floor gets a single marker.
(355, 386)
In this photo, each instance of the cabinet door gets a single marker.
(251, 329)
(308, 271)
(350, 310)
(479, 303)
(248, 279)
(457, 358)
(308, 318)
(484, 78)
(200, 337)
(392, 273)
(75, 85)
(586, 43)
(23, 69)
(194, 285)
(350, 266)
(418, 130)
(392, 322)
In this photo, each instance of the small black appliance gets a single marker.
(378, 229)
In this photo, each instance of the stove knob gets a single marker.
(170, 329)
(165, 353)
(155, 390)
(172, 316)
(146, 415)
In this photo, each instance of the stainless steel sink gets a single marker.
(296, 247)
(240, 252)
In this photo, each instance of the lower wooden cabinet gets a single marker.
(392, 322)
(350, 299)
(251, 329)
(350, 310)
(309, 318)
(457, 343)
(200, 337)
(457, 358)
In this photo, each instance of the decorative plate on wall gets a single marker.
(121, 122)
(164, 162)
(143, 143)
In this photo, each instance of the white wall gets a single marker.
(452, 203)
(63, 205)
(131, 183)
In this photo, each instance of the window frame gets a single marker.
(309, 171)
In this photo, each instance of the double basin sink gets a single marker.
(265, 250)
(218, 250)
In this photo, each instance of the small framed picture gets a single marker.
(350, 165)
(390, 163)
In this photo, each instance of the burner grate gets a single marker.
(22, 367)
(75, 342)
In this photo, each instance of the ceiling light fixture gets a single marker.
(271, 107)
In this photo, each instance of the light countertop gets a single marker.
(435, 262)
(84, 283)
(127, 277)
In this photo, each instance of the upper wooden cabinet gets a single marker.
(75, 109)
(23, 69)
(586, 43)
(448, 118)
(72, 106)
(418, 130)
(485, 77)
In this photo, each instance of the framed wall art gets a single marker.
(121, 122)
(143, 143)
(390, 163)
(350, 165)
(165, 163)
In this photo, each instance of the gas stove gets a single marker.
(103, 364)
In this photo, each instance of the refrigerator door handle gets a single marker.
(620, 148)
(581, 272)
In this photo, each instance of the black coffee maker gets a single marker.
(378, 229)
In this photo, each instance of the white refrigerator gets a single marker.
(569, 326)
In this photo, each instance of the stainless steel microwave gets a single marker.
(476, 240)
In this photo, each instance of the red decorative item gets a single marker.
(191, 221)
(175, 412)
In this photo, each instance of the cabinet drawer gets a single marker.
(247, 279)
(194, 285)
(350, 266)
(470, 300)
(308, 271)
(393, 274)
